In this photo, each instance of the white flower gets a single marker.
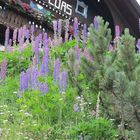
(1, 113)
(78, 97)
(27, 114)
(5, 121)
(21, 111)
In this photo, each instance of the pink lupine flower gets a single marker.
(87, 55)
(138, 45)
(77, 52)
(110, 48)
(117, 30)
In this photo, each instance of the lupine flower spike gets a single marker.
(117, 30)
(95, 23)
(84, 35)
(55, 29)
(15, 35)
(67, 29)
(138, 45)
(76, 28)
(56, 74)
(63, 82)
(110, 48)
(7, 34)
(3, 69)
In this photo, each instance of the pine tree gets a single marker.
(115, 74)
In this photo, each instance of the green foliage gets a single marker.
(98, 44)
(116, 75)
(17, 61)
(61, 51)
(98, 129)
(51, 116)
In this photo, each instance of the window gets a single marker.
(81, 8)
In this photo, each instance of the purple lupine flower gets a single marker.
(56, 74)
(36, 49)
(15, 35)
(67, 29)
(24, 29)
(77, 52)
(10, 42)
(45, 39)
(40, 36)
(45, 36)
(20, 32)
(27, 34)
(3, 69)
(75, 27)
(21, 42)
(28, 73)
(43, 87)
(55, 27)
(7, 35)
(34, 78)
(59, 27)
(70, 52)
(23, 82)
(117, 30)
(110, 48)
(63, 82)
(32, 29)
(44, 68)
(138, 45)
(33, 46)
(95, 23)
(84, 35)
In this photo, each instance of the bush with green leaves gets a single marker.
(17, 61)
(97, 129)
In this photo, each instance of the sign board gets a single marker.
(61, 5)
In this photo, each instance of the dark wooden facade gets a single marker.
(125, 13)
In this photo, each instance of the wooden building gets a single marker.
(16, 13)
